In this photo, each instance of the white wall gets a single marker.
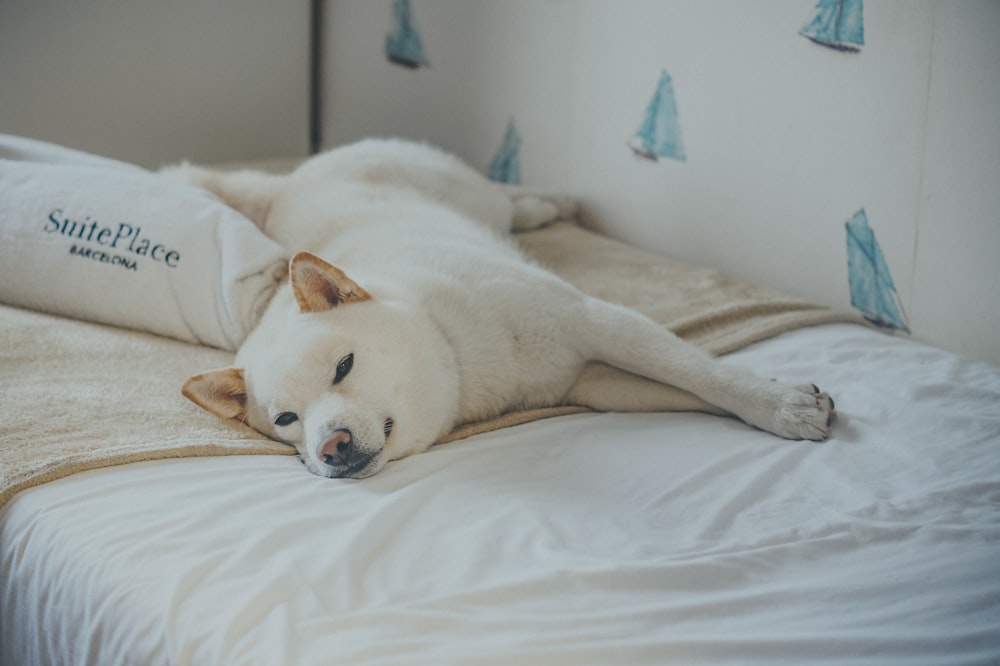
(785, 139)
(488, 60)
(956, 274)
(153, 82)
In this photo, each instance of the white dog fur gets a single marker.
(422, 315)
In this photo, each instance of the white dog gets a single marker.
(422, 315)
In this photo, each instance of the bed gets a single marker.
(136, 529)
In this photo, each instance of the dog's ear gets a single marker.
(222, 392)
(320, 286)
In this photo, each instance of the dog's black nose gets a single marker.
(336, 451)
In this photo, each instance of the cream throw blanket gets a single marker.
(76, 396)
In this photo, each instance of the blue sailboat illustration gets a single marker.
(505, 167)
(838, 24)
(872, 289)
(660, 132)
(404, 46)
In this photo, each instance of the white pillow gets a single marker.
(96, 239)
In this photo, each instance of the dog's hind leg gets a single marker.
(608, 389)
(631, 341)
(250, 192)
(533, 210)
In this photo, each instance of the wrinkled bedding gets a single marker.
(584, 539)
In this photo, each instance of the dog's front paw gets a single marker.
(792, 412)
(799, 412)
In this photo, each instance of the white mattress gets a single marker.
(587, 539)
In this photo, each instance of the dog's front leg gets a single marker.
(631, 341)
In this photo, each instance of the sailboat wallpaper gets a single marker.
(404, 46)
(872, 289)
(838, 24)
(505, 167)
(660, 132)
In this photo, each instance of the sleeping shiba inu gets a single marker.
(410, 312)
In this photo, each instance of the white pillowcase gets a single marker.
(102, 240)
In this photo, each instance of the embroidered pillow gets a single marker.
(101, 240)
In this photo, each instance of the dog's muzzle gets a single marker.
(343, 458)
(338, 449)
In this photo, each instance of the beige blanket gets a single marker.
(76, 396)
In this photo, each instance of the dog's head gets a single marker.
(350, 381)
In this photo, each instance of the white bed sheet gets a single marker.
(587, 539)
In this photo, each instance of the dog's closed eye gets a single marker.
(286, 419)
(343, 368)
